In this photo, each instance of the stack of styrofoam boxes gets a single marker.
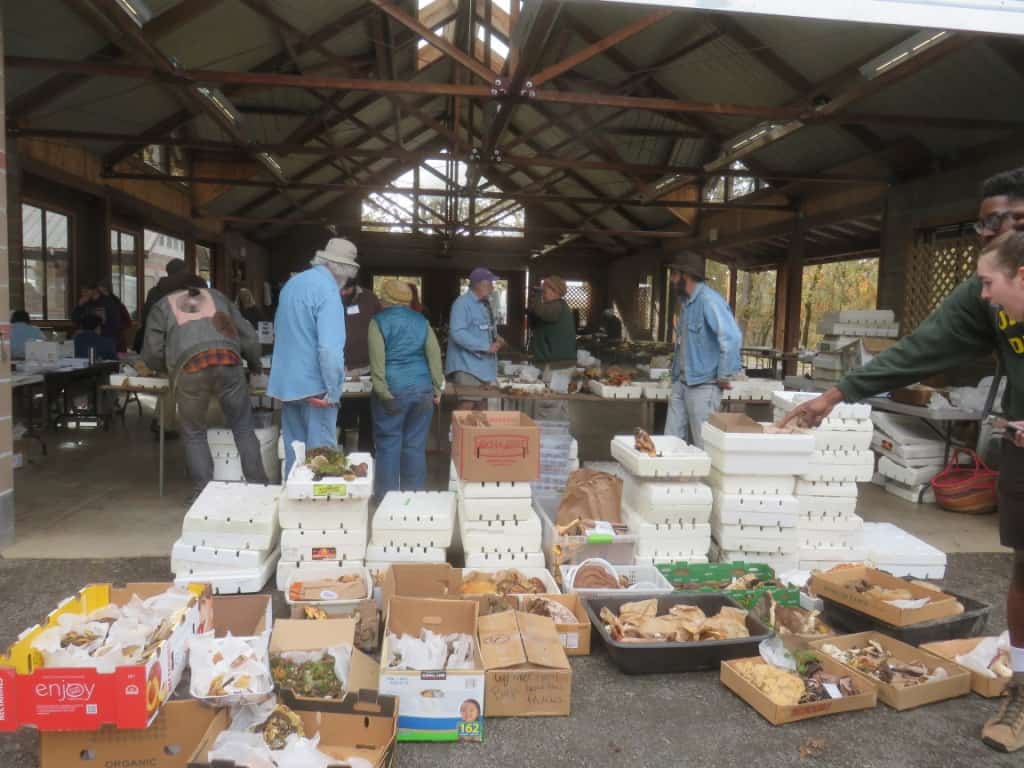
(830, 530)
(411, 527)
(557, 457)
(324, 525)
(229, 538)
(663, 504)
(892, 549)
(499, 526)
(753, 476)
(910, 455)
(878, 323)
(227, 466)
(752, 389)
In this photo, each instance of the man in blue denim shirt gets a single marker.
(473, 340)
(707, 350)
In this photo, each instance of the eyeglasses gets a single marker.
(992, 222)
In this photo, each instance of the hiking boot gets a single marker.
(1005, 731)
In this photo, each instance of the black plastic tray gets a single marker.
(970, 623)
(654, 658)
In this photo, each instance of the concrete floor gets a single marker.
(655, 721)
(94, 483)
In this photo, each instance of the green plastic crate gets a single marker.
(680, 573)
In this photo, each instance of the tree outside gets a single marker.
(755, 307)
(833, 287)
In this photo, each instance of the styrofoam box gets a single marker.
(233, 516)
(330, 544)
(227, 465)
(905, 429)
(860, 316)
(574, 449)
(755, 538)
(673, 551)
(667, 501)
(852, 540)
(826, 488)
(855, 329)
(643, 580)
(825, 440)
(242, 581)
(751, 554)
(216, 557)
(156, 384)
(404, 510)
(749, 463)
(505, 560)
(653, 373)
(838, 554)
(758, 454)
(911, 454)
(333, 487)
(574, 464)
(655, 391)
(888, 544)
(672, 558)
(681, 533)
(504, 490)
(501, 535)
(329, 572)
(675, 457)
(735, 509)
(830, 523)
(308, 568)
(402, 553)
(625, 392)
(907, 475)
(787, 401)
(317, 515)
(780, 563)
(841, 466)
(495, 509)
(541, 573)
(751, 485)
(355, 386)
(752, 389)
(831, 423)
(915, 494)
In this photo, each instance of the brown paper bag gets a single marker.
(591, 495)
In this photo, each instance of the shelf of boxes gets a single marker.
(229, 538)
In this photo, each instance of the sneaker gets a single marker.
(1005, 731)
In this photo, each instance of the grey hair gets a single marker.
(341, 272)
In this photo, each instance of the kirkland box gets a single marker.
(780, 714)
(957, 683)
(362, 725)
(436, 705)
(167, 743)
(528, 674)
(489, 446)
(840, 586)
(83, 699)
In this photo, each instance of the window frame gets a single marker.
(71, 287)
(139, 286)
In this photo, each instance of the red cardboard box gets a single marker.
(491, 446)
(74, 699)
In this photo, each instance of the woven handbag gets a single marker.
(966, 488)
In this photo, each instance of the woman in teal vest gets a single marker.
(407, 375)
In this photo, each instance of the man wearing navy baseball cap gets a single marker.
(473, 340)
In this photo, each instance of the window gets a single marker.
(645, 311)
(46, 262)
(431, 199)
(158, 251)
(204, 263)
(831, 287)
(755, 307)
(124, 269)
(717, 277)
(499, 299)
(577, 296)
(721, 189)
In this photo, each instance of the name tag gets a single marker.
(485, 326)
(353, 310)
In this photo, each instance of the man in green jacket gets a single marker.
(553, 341)
(984, 314)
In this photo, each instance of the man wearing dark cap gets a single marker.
(473, 340)
(707, 352)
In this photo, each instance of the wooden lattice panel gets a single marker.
(936, 267)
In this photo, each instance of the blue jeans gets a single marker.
(689, 408)
(314, 427)
(400, 429)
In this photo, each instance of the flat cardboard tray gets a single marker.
(835, 586)
(957, 684)
(968, 624)
(988, 687)
(327, 572)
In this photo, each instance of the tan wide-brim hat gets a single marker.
(339, 251)
(396, 292)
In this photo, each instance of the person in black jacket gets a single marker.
(178, 279)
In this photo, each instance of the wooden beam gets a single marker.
(595, 49)
(440, 43)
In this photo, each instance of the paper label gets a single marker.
(353, 310)
(325, 553)
(328, 489)
(833, 690)
(570, 640)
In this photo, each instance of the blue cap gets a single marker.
(481, 273)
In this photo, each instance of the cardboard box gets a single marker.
(167, 743)
(837, 586)
(365, 613)
(735, 422)
(989, 687)
(528, 674)
(360, 725)
(957, 684)
(83, 699)
(242, 615)
(440, 581)
(300, 635)
(508, 449)
(435, 705)
(777, 714)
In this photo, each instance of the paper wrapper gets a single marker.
(591, 495)
(430, 651)
(241, 664)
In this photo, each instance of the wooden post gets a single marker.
(794, 268)
(733, 270)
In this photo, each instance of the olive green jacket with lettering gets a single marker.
(963, 328)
